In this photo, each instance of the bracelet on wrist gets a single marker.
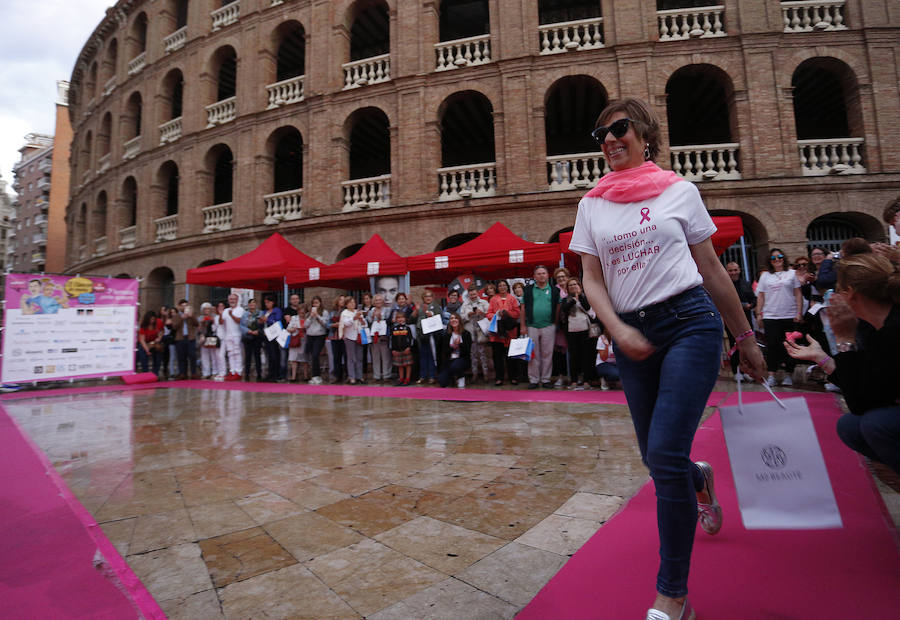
(821, 363)
(739, 339)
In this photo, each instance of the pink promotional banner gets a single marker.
(63, 327)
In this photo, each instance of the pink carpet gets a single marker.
(852, 572)
(55, 561)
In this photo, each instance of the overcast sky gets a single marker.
(39, 42)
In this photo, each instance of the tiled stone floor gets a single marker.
(239, 504)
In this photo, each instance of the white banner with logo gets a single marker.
(63, 327)
(778, 469)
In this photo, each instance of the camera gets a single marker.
(837, 256)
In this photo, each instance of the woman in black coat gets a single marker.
(453, 352)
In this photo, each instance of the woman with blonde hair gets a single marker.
(864, 314)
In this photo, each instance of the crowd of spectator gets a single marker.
(362, 338)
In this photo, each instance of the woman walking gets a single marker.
(644, 237)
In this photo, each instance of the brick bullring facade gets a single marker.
(202, 128)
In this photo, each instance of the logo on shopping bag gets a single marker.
(773, 456)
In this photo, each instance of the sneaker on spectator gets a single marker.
(461, 382)
(787, 381)
(559, 382)
(831, 387)
(771, 381)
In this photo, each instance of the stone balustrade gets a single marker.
(282, 206)
(367, 71)
(100, 246)
(706, 162)
(170, 131)
(82, 252)
(175, 41)
(43, 183)
(103, 163)
(166, 228)
(695, 23)
(127, 237)
(217, 217)
(221, 112)
(285, 92)
(39, 238)
(471, 181)
(131, 148)
(137, 63)
(835, 156)
(225, 16)
(463, 52)
(809, 16)
(582, 34)
(38, 258)
(575, 171)
(369, 193)
(109, 86)
(45, 165)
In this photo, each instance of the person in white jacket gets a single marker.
(472, 311)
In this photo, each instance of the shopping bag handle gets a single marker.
(765, 385)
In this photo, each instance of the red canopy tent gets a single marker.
(495, 253)
(374, 258)
(263, 268)
(729, 228)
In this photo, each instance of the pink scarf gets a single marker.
(634, 184)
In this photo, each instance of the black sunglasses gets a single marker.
(618, 129)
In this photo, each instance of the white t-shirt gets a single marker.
(232, 329)
(644, 246)
(779, 289)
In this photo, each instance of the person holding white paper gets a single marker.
(864, 314)
(644, 236)
(380, 347)
(351, 322)
(473, 313)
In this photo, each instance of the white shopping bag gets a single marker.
(432, 324)
(777, 464)
(521, 348)
(485, 325)
(273, 331)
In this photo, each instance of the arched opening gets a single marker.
(702, 124)
(220, 161)
(172, 95)
(554, 238)
(225, 70)
(138, 35)
(699, 106)
(828, 117)
(467, 129)
(103, 136)
(170, 181)
(826, 100)
(212, 294)
(286, 148)
(291, 55)
(133, 116)
(572, 106)
(91, 85)
(558, 11)
(370, 143)
(159, 289)
(832, 229)
(454, 240)
(348, 251)
(110, 61)
(747, 250)
(129, 199)
(98, 219)
(370, 32)
(87, 152)
(459, 19)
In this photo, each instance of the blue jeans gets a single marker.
(666, 394)
(876, 434)
(427, 366)
(453, 369)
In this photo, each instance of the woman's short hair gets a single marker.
(891, 210)
(871, 275)
(560, 270)
(643, 118)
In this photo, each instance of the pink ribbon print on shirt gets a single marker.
(645, 215)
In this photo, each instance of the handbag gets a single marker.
(521, 348)
(492, 328)
(296, 340)
(211, 342)
(777, 464)
(594, 330)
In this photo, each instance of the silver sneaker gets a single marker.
(710, 514)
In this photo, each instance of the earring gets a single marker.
(647, 152)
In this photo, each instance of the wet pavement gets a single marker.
(237, 504)
(232, 503)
